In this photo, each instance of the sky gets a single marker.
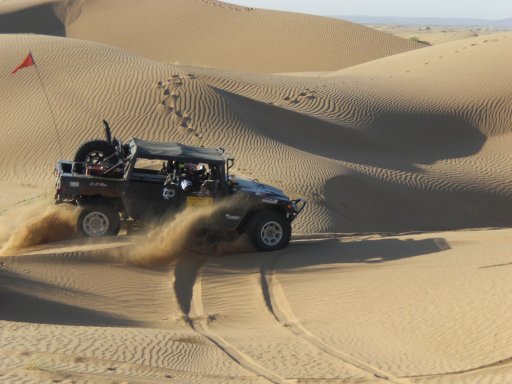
(478, 9)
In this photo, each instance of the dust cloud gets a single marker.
(42, 222)
(34, 224)
(181, 237)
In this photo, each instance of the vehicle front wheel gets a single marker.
(98, 221)
(269, 231)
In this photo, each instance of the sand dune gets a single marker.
(394, 316)
(437, 34)
(418, 132)
(187, 32)
(83, 319)
(384, 126)
(406, 309)
(97, 88)
(434, 37)
(378, 136)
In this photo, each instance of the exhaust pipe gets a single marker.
(108, 134)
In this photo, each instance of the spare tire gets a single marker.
(95, 152)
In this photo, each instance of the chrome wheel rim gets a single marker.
(96, 224)
(95, 157)
(271, 233)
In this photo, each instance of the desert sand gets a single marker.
(437, 34)
(398, 270)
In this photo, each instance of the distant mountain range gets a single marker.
(424, 21)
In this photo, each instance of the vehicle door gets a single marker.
(146, 195)
(206, 189)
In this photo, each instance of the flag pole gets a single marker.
(49, 105)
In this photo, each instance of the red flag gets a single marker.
(29, 61)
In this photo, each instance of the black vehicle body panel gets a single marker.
(144, 195)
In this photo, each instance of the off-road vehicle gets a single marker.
(144, 181)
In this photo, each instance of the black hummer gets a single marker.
(146, 181)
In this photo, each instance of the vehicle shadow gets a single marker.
(369, 251)
(324, 253)
(185, 275)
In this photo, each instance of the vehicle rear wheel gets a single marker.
(269, 231)
(98, 221)
(95, 152)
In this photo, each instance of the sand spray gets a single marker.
(41, 222)
(36, 223)
(180, 237)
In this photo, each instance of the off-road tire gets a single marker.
(98, 221)
(95, 152)
(269, 230)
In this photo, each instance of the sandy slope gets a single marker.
(425, 146)
(439, 37)
(415, 141)
(96, 87)
(434, 35)
(422, 308)
(418, 305)
(98, 322)
(422, 134)
(215, 34)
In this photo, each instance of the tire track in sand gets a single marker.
(278, 305)
(188, 291)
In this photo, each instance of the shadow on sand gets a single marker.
(321, 254)
(40, 20)
(20, 300)
(362, 203)
(369, 251)
(185, 275)
(391, 141)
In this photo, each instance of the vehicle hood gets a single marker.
(254, 186)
